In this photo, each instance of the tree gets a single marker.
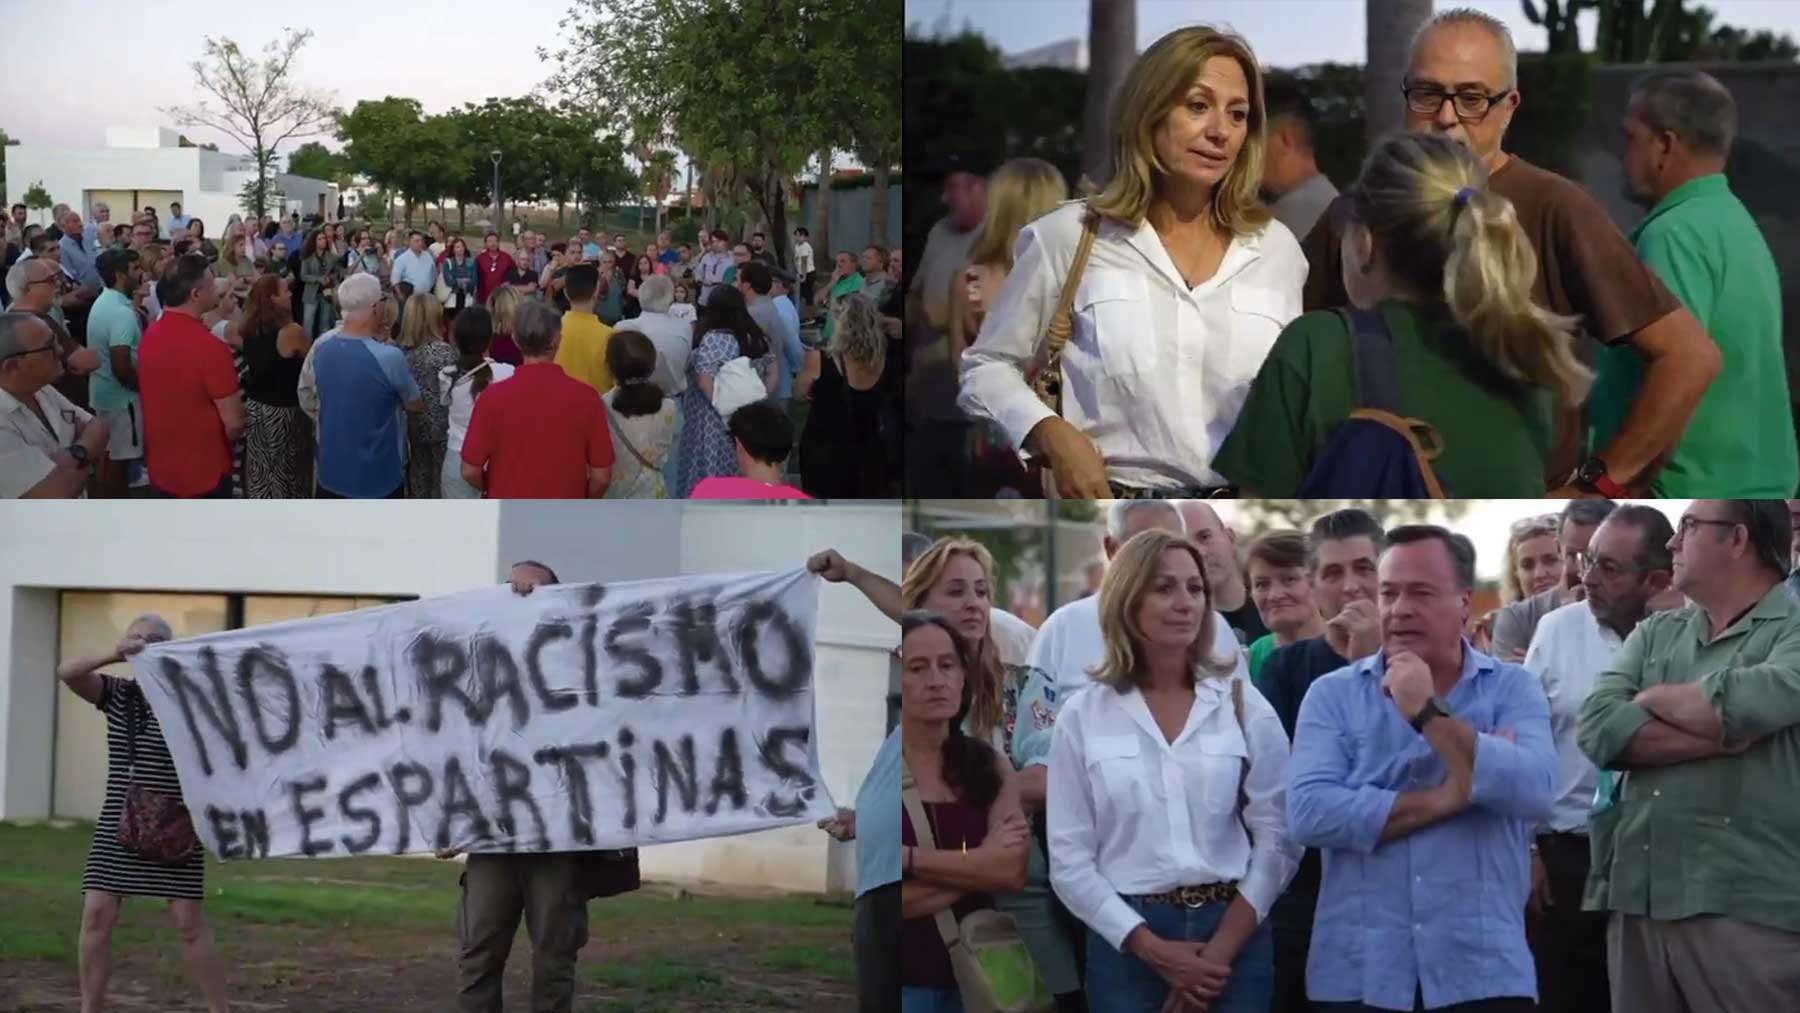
(391, 141)
(316, 161)
(37, 198)
(659, 179)
(263, 188)
(261, 108)
(1391, 26)
(1668, 32)
(1112, 49)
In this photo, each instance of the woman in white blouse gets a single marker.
(1167, 834)
(1187, 286)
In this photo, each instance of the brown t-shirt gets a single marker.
(1586, 268)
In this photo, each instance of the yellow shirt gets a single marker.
(582, 354)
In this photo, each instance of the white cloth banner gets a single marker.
(577, 717)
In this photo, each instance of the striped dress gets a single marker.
(110, 868)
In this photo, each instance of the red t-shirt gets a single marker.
(537, 433)
(491, 270)
(182, 370)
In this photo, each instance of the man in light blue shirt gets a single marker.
(756, 284)
(415, 266)
(177, 220)
(790, 312)
(1419, 772)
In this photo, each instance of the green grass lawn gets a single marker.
(378, 933)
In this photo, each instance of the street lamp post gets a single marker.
(495, 155)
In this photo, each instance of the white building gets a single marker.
(146, 166)
(1069, 54)
(73, 576)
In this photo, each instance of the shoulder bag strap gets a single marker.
(1049, 378)
(134, 701)
(616, 419)
(1237, 709)
(1377, 383)
(915, 811)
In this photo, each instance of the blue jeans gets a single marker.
(1121, 983)
(930, 1000)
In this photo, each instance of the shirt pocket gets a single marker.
(1258, 314)
(1116, 308)
(1212, 765)
(1116, 772)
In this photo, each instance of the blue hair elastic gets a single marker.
(1463, 195)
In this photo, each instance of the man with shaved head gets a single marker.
(1463, 83)
(48, 444)
(1224, 570)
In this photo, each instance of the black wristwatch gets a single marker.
(80, 454)
(1592, 477)
(1432, 709)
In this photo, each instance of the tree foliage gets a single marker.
(315, 161)
(36, 197)
(259, 105)
(1665, 31)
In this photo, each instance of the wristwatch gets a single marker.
(80, 454)
(1432, 709)
(1592, 476)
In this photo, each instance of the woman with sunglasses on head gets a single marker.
(1441, 273)
(1185, 284)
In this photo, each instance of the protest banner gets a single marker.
(577, 717)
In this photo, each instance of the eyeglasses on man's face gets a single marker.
(49, 346)
(1608, 568)
(1689, 524)
(1472, 105)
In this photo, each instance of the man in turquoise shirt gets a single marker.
(1701, 241)
(113, 333)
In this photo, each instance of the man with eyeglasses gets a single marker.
(1626, 567)
(1463, 84)
(1694, 842)
(1515, 624)
(48, 444)
(34, 285)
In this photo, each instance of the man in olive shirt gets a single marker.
(1700, 239)
(1463, 84)
(1696, 839)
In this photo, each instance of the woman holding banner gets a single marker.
(139, 764)
(954, 579)
(1167, 832)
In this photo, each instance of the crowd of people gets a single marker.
(145, 359)
(1360, 794)
(1220, 320)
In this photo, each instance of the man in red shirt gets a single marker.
(541, 434)
(492, 265)
(193, 407)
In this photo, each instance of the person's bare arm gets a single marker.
(123, 369)
(598, 480)
(882, 593)
(810, 370)
(65, 481)
(920, 900)
(1660, 744)
(474, 475)
(1680, 362)
(1682, 705)
(231, 412)
(83, 674)
(416, 406)
(1033, 786)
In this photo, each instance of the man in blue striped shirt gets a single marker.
(1419, 773)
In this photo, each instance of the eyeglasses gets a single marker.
(1472, 106)
(1688, 524)
(1607, 567)
(51, 347)
(1527, 523)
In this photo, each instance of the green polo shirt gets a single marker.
(112, 323)
(1713, 836)
(1701, 241)
(1497, 437)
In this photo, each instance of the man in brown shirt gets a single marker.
(1463, 84)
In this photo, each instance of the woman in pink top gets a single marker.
(764, 438)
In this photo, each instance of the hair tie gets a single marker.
(1463, 195)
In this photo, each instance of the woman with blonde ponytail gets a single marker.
(1443, 261)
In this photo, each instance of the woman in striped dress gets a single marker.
(113, 873)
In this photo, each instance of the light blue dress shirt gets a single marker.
(418, 268)
(793, 351)
(878, 819)
(1441, 910)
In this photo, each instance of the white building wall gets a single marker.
(207, 181)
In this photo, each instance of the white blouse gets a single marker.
(459, 393)
(1154, 371)
(1131, 814)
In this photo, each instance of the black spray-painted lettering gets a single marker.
(695, 626)
(547, 631)
(256, 668)
(497, 675)
(634, 619)
(342, 702)
(217, 710)
(412, 787)
(590, 654)
(441, 665)
(683, 776)
(459, 800)
(368, 817)
(728, 774)
(371, 680)
(512, 783)
(628, 777)
(772, 749)
(746, 632)
(256, 832)
(575, 782)
(224, 828)
(306, 816)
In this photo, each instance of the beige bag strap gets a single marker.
(915, 811)
(1048, 384)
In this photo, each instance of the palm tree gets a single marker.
(659, 171)
(1112, 47)
(1391, 25)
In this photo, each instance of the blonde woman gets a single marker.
(236, 262)
(1440, 263)
(1187, 286)
(1533, 563)
(850, 447)
(954, 579)
(503, 307)
(1019, 192)
(1167, 832)
(428, 432)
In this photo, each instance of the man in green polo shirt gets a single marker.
(1695, 724)
(113, 333)
(1701, 241)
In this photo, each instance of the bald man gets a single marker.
(1224, 571)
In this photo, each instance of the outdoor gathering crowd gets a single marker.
(1306, 776)
(148, 359)
(1458, 322)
